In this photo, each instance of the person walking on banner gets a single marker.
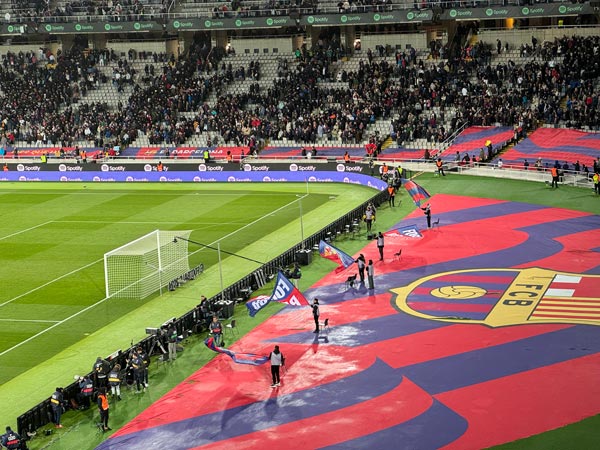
(315, 311)
(380, 245)
(371, 274)
(277, 360)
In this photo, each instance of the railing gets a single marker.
(41, 414)
(22, 16)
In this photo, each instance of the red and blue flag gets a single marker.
(239, 358)
(285, 292)
(417, 193)
(335, 254)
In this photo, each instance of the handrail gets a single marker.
(22, 15)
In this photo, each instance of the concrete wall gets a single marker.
(284, 45)
(416, 40)
(150, 46)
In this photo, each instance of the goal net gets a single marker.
(146, 265)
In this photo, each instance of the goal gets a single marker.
(148, 264)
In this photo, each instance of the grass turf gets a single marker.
(80, 429)
(75, 226)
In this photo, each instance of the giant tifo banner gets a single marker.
(483, 331)
(198, 173)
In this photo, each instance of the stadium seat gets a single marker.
(324, 326)
(232, 327)
(350, 281)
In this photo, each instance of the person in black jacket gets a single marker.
(56, 401)
(315, 311)
(100, 370)
(361, 262)
(427, 212)
(12, 440)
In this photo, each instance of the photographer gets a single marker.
(12, 440)
(86, 390)
(114, 381)
(216, 330)
(57, 402)
(100, 370)
(295, 274)
(172, 342)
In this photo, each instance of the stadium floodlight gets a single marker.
(146, 265)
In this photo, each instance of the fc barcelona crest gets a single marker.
(502, 297)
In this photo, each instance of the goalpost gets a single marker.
(146, 265)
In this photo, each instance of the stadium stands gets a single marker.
(322, 96)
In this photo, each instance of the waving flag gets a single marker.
(255, 304)
(239, 358)
(285, 292)
(335, 254)
(417, 193)
(410, 231)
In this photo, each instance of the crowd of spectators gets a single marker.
(34, 11)
(45, 95)
(115, 10)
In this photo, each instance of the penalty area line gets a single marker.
(50, 282)
(60, 322)
(25, 230)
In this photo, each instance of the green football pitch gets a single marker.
(53, 238)
(55, 319)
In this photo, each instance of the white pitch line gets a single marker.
(29, 320)
(50, 282)
(106, 298)
(60, 322)
(25, 230)
(143, 222)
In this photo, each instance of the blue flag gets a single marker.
(254, 305)
(408, 231)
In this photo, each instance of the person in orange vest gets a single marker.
(103, 408)
(346, 158)
(383, 170)
(159, 166)
(440, 166)
(229, 156)
(554, 173)
(5, 168)
(392, 195)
